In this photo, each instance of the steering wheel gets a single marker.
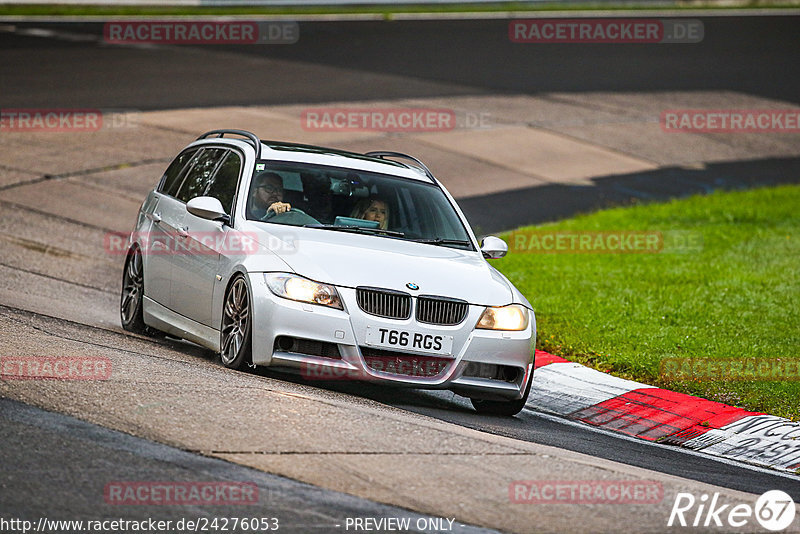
(270, 214)
(293, 216)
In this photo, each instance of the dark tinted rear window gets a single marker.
(223, 187)
(172, 176)
(199, 176)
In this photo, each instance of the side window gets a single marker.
(223, 187)
(171, 179)
(199, 176)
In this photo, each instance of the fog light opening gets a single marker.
(286, 343)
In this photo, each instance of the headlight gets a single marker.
(511, 317)
(294, 287)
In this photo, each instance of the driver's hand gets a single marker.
(279, 207)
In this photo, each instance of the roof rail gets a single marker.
(253, 138)
(382, 154)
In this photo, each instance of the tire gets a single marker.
(506, 408)
(235, 335)
(131, 298)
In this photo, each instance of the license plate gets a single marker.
(403, 340)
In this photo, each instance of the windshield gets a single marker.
(336, 199)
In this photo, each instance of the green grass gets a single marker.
(364, 8)
(738, 296)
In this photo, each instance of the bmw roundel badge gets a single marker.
(412, 285)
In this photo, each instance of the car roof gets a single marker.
(333, 157)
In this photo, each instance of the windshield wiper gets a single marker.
(356, 229)
(440, 241)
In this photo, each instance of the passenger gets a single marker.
(268, 196)
(372, 209)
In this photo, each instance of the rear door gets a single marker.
(159, 241)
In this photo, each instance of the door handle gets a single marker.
(183, 231)
(155, 217)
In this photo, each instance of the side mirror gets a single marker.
(493, 247)
(207, 208)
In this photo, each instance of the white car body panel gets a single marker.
(353, 260)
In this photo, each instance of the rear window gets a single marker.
(171, 179)
(223, 188)
(199, 176)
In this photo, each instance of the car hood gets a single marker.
(352, 260)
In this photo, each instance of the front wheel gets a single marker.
(508, 408)
(235, 338)
(130, 304)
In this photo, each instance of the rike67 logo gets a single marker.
(774, 511)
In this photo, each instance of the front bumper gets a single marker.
(327, 344)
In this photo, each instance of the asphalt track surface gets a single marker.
(377, 60)
(755, 55)
(536, 427)
(752, 55)
(72, 471)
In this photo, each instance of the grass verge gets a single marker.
(726, 286)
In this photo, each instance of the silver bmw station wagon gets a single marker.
(335, 264)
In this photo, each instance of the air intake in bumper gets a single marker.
(401, 364)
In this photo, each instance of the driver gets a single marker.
(268, 196)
